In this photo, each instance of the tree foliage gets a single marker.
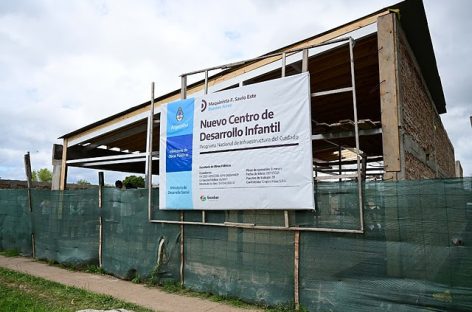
(82, 182)
(42, 175)
(133, 181)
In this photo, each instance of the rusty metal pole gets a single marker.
(296, 270)
(101, 183)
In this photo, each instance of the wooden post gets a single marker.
(387, 34)
(28, 178)
(56, 166)
(389, 93)
(30, 204)
(63, 181)
(101, 182)
(296, 270)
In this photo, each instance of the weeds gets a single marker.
(22, 292)
(95, 269)
(10, 253)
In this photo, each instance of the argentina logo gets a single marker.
(180, 114)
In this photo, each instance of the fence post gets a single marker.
(30, 205)
(296, 270)
(100, 219)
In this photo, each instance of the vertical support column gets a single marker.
(284, 62)
(101, 183)
(28, 178)
(183, 87)
(387, 35)
(56, 166)
(183, 95)
(30, 204)
(356, 132)
(148, 169)
(296, 258)
(182, 254)
(63, 179)
(305, 60)
(340, 158)
(205, 91)
(389, 94)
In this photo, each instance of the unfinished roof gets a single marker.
(412, 18)
(352, 106)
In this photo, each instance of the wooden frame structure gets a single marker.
(119, 142)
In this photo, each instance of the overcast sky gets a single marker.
(66, 64)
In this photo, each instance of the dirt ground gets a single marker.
(151, 298)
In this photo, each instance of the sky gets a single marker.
(66, 64)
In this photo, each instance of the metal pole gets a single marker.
(183, 87)
(230, 65)
(262, 227)
(183, 95)
(305, 60)
(205, 90)
(101, 182)
(356, 131)
(284, 59)
(33, 243)
(340, 171)
(182, 249)
(150, 131)
(296, 270)
(284, 63)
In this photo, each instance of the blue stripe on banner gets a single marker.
(179, 143)
(179, 153)
(180, 117)
(179, 190)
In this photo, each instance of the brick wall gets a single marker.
(428, 152)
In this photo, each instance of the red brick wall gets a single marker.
(422, 123)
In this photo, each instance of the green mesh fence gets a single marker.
(15, 221)
(415, 254)
(65, 226)
(130, 242)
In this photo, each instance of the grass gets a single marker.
(10, 253)
(22, 292)
(175, 288)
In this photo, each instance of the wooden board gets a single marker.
(389, 97)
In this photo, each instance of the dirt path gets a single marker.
(151, 298)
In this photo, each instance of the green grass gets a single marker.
(10, 253)
(22, 292)
(175, 288)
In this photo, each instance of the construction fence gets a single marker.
(414, 255)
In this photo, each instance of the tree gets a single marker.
(133, 181)
(42, 175)
(82, 182)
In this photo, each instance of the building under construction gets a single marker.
(376, 101)
(384, 236)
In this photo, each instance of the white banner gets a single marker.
(243, 148)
